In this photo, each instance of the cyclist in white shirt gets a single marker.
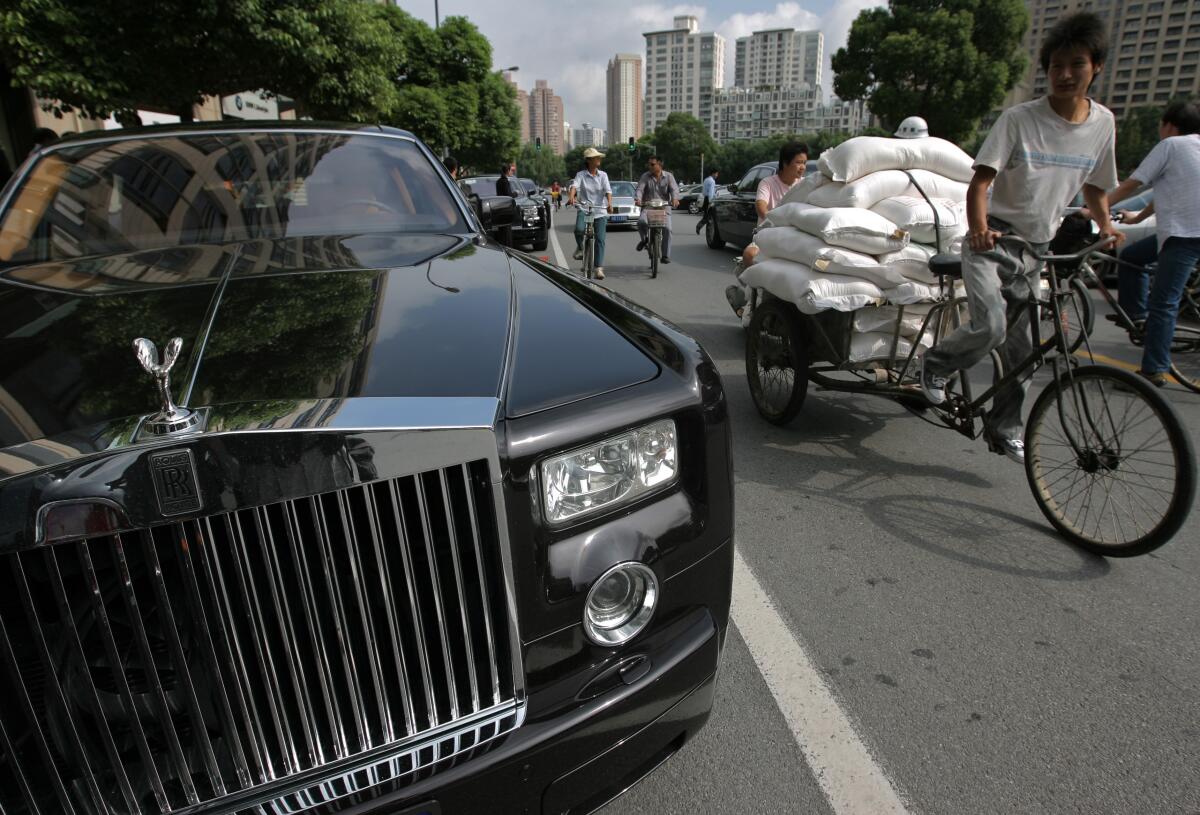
(591, 186)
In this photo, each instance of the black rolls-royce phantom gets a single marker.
(315, 499)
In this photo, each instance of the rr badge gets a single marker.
(174, 474)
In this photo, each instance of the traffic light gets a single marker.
(632, 145)
(537, 144)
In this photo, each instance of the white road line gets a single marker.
(844, 768)
(559, 258)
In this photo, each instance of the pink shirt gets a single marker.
(772, 189)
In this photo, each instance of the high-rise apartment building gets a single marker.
(624, 97)
(523, 104)
(1154, 50)
(546, 117)
(588, 136)
(779, 58)
(757, 113)
(684, 67)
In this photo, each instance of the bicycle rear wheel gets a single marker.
(1109, 462)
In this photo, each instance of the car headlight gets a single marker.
(610, 472)
(620, 603)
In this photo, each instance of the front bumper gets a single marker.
(592, 733)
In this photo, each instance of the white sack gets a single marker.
(884, 319)
(869, 190)
(911, 262)
(789, 243)
(911, 292)
(853, 159)
(877, 345)
(915, 215)
(801, 191)
(859, 229)
(811, 291)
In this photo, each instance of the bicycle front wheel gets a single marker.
(1109, 462)
(1073, 312)
(655, 244)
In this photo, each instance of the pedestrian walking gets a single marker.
(710, 192)
(506, 184)
(658, 184)
(1035, 159)
(1173, 169)
(591, 186)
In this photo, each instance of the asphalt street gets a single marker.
(985, 664)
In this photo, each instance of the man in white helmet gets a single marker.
(914, 127)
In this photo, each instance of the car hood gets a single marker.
(300, 318)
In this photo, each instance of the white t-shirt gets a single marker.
(1042, 161)
(1173, 169)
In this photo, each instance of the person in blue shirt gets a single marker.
(710, 192)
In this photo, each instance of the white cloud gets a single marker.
(569, 42)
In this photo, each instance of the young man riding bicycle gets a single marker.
(1038, 154)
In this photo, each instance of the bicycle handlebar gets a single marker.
(1072, 258)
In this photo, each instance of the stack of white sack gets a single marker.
(860, 233)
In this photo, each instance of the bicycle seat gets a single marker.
(946, 265)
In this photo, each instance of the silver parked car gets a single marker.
(625, 212)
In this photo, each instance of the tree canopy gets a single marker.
(543, 166)
(679, 141)
(339, 59)
(948, 61)
(111, 57)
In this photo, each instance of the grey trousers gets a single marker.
(999, 284)
(644, 230)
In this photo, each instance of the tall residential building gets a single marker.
(624, 97)
(588, 136)
(546, 117)
(1154, 50)
(684, 67)
(741, 114)
(779, 58)
(523, 104)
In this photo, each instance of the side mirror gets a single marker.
(732, 188)
(496, 210)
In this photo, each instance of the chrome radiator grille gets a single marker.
(157, 670)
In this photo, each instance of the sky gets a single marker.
(569, 42)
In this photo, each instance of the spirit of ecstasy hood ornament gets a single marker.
(173, 418)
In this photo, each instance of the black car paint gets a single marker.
(587, 735)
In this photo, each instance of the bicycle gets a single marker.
(1185, 344)
(656, 222)
(1107, 458)
(588, 269)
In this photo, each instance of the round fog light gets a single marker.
(620, 603)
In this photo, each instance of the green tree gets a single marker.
(543, 166)
(336, 57)
(948, 61)
(448, 94)
(679, 141)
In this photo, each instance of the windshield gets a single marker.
(622, 189)
(157, 193)
(530, 187)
